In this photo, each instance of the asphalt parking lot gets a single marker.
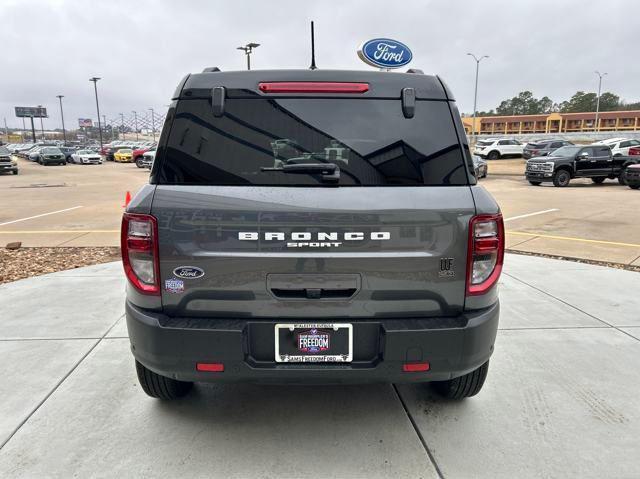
(81, 205)
(561, 398)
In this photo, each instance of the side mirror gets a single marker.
(583, 156)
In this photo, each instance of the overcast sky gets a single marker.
(141, 49)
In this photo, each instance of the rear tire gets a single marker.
(161, 387)
(464, 386)
(598, 179)
(633, 187)
(535, 183)
(15, 172)
(493, 155)
(139, 163)
(561, 178)
(621, 179)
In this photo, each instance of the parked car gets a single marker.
(495, 148)
(139, 151)
(543, 147)
(111, 151)
(594, 161)
(619, 146)
(147, 159)
(51, 155)
(123, 155)
(33, 154)
(315, 281)
(86, 157)
(7, 163)
(67, 151)
(480, 167)
(632, 176)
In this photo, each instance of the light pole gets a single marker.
(64, 133)
(122, 125)
(247, 49)
(135, 119)
(41, 125)
(596, 127)
(95, 87)
(153, 124)
(475, 94)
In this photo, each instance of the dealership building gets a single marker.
(554, 123)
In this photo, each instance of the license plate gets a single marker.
(314, 343)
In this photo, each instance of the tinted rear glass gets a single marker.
(370, 141)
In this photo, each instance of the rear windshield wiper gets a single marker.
(327, 171)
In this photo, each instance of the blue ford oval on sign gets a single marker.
(385, 53)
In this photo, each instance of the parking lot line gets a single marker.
(535, 213)
(568, 238)
(39, 216)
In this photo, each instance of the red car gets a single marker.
(137, 153)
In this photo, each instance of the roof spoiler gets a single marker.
(211, 70)
(417, 71)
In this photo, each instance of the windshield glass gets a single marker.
(566, 151)
(485, 143)
(4, 151)
(124, 151)
(50, 151)
(370, 141)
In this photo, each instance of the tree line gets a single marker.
(526, 104)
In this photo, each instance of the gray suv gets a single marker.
(310, 226)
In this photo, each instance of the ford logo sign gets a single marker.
(385, 53)
(188, 272)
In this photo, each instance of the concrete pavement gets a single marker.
(561, 398)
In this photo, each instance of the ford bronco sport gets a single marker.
(312, 227)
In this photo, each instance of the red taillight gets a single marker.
(415, 367)
(210, 367)
(486, 253)
(139, 245)
(634, 151)
(312, 87)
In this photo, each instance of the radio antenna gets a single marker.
(313, 49)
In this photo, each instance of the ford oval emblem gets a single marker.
(385, 53)
(188, 272)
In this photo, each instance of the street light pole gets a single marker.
(122, 125)
(153, 124)
(248, 49)
(64, 133)
(135, 117)
(41, 125)
(475, 94)
(596, 127)
(95, 87)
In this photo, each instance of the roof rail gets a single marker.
(210, 70)
(417, 71)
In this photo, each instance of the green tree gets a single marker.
(525, 104)
(582, 101)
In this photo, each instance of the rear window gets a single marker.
(485, 143)
(369, 140)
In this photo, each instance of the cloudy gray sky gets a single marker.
(142, 48)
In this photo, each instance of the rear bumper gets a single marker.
(172, 347)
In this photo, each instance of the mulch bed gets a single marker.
(27, 262)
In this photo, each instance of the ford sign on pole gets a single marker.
(385, 53)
